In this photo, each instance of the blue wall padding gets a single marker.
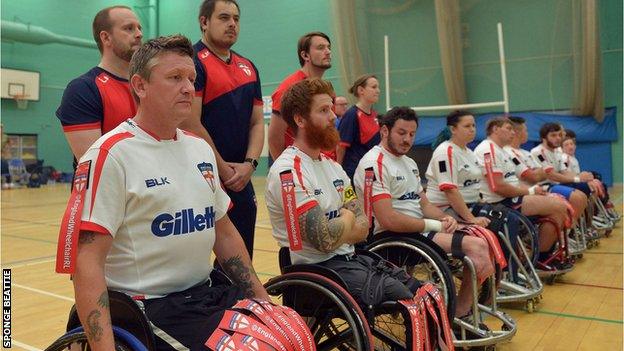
(593, 139)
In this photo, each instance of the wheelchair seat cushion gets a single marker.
(372, 281)
(189, 317)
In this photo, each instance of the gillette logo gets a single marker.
(183, 222)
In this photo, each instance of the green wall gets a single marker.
(537, 43)
(57, 63)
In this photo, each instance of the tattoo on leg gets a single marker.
(94, 330)
(240, 274)
(103, 300)
(86, 237)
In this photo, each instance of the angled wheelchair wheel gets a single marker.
(421, 260)
(391, 328)
(77, 340)
(334, 318)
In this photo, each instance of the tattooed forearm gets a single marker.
(94, 330)
(240, 274)
(355, 207)
(86, 237)
(103, 300)
(324, 235)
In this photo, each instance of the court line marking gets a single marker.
(28, 262)
(574, 316)
(31, 222)
(27, 238)
(593, 286)
(24, 346)
(603, 252)
(43, 292)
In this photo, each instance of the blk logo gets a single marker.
(156, 182)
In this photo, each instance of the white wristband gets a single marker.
(577, 179)
(532, 190)
(432, 225)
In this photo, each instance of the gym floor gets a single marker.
(581, 311)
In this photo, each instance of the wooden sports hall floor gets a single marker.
(583, 311)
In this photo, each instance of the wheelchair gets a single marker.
(426, 261)
(518, 238)
(337, 321)
(131, 328)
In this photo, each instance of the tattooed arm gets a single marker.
(234, 259)
(361, 220)
(90, 289)
(328, 235)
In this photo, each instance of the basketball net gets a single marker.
(20, 100)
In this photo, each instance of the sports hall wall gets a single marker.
(537, 45)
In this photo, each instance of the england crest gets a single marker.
(245, 68)
(339, 184)
(206, 170)
(81, 177)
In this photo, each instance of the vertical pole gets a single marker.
(387, 71)
(501, 53)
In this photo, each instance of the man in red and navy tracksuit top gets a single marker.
(228, 110)
(99, 100)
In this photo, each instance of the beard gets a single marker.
(394, 148)
(123, 53)
(322, 138)
(321, 65)
(551, 145)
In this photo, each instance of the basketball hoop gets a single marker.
(21, 101)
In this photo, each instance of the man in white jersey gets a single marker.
(313, 208)
(501, 185)
(557, 171)
(147, 210)
(389, 183)
(529, 168)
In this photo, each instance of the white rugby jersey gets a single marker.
(519, 160)
(453, 167)
(501, 163)
(296, 183)
(395, 177)
(159, 200)
(550, 160)
(571, 163)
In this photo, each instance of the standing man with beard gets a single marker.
(227, 109)
(314, 52)
(99, 100)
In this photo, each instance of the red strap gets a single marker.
(295, 334)
(289, 202)
(571, 212)
(268, 321)
(222, 341)
(247, 342)
(369, 177)
(446, 325)
(308, 339)
(489, 170)
(496, 252)
(238, 322)
(72, 219)
(415, 317)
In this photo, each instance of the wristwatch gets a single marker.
(254, 163)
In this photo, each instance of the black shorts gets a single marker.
(191, 316)
(371, 281)
(512, 202)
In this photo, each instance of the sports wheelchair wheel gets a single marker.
(422, 259)
(77, 340)
(334, 318)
